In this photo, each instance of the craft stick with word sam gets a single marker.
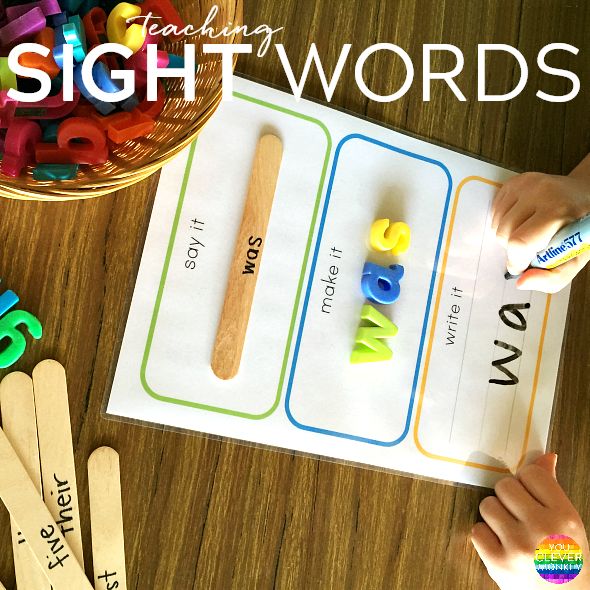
(245, 266)
(17, 406)
(43, 535)
(57, 455)
(106, 519)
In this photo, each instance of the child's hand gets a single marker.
(527, 212)
(526, 509)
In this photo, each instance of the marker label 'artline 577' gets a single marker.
(568, 242)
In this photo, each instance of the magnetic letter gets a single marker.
(8, 299)
(369, 346)
(381, 284)
(8, 329)
(117, 30)
(394, 237)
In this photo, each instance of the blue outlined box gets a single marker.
(325, 394)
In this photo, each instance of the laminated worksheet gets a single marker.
(467, 392)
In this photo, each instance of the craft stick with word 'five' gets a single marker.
(22, 500)
(17, 407)
(245, 266)
(106, 520)
(58, 472)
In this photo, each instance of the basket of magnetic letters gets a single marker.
(176, 127)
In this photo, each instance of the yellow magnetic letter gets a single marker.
(394, 237)
(117, 30)
(369, 347)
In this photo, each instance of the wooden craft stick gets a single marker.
(245, 266)
(2, 586)
(106, 519)
(58, 471)
(22, 500)
(18, 421)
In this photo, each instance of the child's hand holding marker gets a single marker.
(527, 213)
(525, 511)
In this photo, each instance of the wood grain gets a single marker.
(204, 514)
(22, 499)
(17, 407)
(247, 258)
(106, 519)
(58, 471)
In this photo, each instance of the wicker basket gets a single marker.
(176, 127)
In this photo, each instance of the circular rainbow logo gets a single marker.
(558, 559)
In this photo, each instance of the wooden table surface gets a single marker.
(202, 513)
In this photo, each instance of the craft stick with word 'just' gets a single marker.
(106, 520)
(245, 266)
(17, 407)
(43, 535)
(57, 454)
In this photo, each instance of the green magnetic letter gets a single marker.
(8, 329)
(369, 347)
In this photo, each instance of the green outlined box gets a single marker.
(170, 397)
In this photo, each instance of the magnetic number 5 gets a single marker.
(9, 325)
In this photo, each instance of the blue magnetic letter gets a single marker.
(8, 299)
(381, 284)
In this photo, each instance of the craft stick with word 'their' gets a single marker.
(60, 491)
(106, 520)
(32, 517)
(17, 407)
(245, 266)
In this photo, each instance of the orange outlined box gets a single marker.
(431, 338)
